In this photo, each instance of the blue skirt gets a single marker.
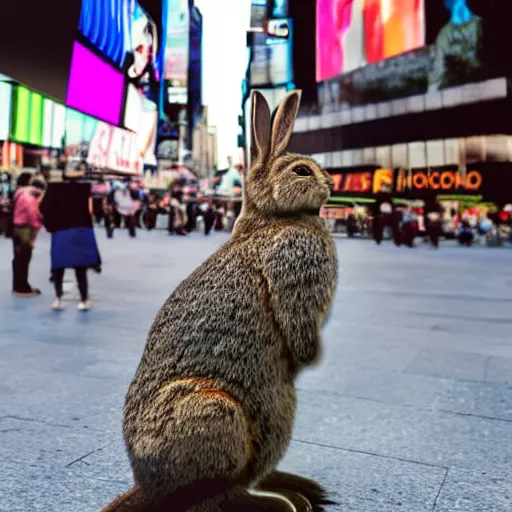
(75, 247)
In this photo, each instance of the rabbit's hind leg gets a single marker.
(197, 446)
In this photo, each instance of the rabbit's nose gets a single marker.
(330, 183)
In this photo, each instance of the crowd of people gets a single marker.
(69, 210)
(430, 219)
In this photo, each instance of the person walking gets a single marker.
(27, 221)
(67, 209)
(126, 206)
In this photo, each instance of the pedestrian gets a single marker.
(68, 209)
(100, 190)
(151, 211)
(126, 206)
(178, 212)
(27, 221)
(6, 199)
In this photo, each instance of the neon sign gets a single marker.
(439, 180)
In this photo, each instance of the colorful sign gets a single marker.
(115, 149)
(350, 183)
(95, 87)
(353, 33)
(5, 109)
(104, 25)
(177, 45)
(441, 181)
(141, 116)
(27, 126)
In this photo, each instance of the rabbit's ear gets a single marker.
(282, 125)
(260, 143)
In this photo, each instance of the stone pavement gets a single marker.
(410, 410)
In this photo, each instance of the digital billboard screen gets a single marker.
(28, 111)
(177, 51)
(5, 109)
(272, 58)
(95, 87)
(47, 122)
(141, 117)
(353, 33)
(459, 49)
(58, 125)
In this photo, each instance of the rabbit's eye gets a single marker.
(303, 171)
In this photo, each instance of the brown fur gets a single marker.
(213, 399)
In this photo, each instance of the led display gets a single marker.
(95, 87)
(5, 110)
(47, 122)
(141, 116)
(58, 125)
(104, 25)
(177, 44)
(353, 33)
(27, 123)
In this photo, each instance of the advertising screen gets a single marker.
(195, 75)
(140, 64)
(5, 109)
(95, 87)
(141, 117)
(125, 51)
(58, 125)
(79, 131)
(177, 49)
(28, 116)
(272, 60)
(114, 148)
(104, 25)
(461, 50)
(47, 122)
(353, 33)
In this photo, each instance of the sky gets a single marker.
(225, 23)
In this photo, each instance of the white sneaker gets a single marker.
(57, 304)
(84, 305)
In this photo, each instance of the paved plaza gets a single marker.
(410, 409)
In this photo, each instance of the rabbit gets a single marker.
(209, 413)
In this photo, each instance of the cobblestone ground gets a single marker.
(410, 410)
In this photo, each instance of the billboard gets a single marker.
(491, 180)
(28, 111)
(141, 116)
(95, 87)
(272, 57)
(353, 33)
(177, 50)
(5, 109)
(58, 125)
(195, 66)
(115, 149)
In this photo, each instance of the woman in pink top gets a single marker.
(27, 222)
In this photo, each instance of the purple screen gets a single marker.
(95, 88)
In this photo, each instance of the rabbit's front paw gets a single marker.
(307, 347)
